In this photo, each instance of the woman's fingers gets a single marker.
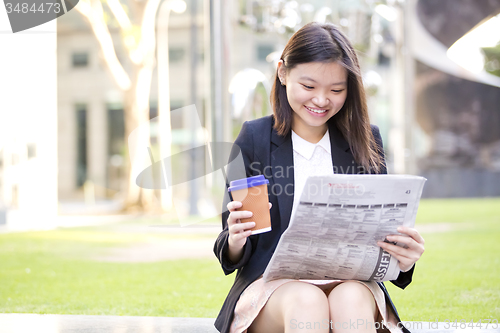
(235, 238)
(396, 250)
(413, 250)
(414, 242)
(405, 257)
(238, 228)
(413, 233)
(233, 205)
(409, 242)
(235, 216)
(234, 224)
(238, 234)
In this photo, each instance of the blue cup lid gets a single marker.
(240, 184)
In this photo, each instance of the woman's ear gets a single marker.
(281, 72)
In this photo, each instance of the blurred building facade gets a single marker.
(402, 95)
(90, 106)
(67, 143)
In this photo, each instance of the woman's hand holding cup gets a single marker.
(238, 231)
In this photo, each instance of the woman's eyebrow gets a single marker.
(304, 77)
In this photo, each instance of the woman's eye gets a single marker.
(307, 87)
(337, 91)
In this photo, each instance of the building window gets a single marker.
(263, 51)
(153, 113)
(116, 130)
(81, 144)
(176, 54)
(153, 109)
(80, 59)
(116, 148)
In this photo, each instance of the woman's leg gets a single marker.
(294, 307)
(352, 308)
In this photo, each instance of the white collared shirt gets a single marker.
(309, 159)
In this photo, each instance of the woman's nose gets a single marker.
(320, 100)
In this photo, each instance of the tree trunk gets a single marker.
(136, 113)
(136, 90)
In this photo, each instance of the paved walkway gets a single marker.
(33, 323)
(183, 242)
(190, 242)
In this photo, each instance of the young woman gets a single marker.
(320, 126)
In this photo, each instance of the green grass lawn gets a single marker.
(458, 276)
(50, 272)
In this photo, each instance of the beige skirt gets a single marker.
(253, 299)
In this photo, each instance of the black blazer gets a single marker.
(266, 153)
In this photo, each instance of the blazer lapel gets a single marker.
(342, 159)
(283, 175)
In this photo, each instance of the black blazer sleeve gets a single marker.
(243, 145)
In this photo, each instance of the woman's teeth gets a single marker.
(315, 110)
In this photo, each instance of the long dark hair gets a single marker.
(317, 42)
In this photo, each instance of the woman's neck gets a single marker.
(310, 134)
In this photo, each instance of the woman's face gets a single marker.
(316, 91)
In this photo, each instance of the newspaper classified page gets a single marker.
(333, 232)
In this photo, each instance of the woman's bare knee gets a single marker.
(351, 293)
(352, 301)
(302, 295)
(292, 306)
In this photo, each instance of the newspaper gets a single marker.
(333, 231)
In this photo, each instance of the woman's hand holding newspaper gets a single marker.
(408, 255)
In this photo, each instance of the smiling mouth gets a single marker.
(315, 110)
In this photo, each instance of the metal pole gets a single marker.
(397, 137)
(409, 125)
(193, 197)
(164, 123)
(216, 76)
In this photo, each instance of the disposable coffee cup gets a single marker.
(252, 193)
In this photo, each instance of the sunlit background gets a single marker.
(74, 89)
